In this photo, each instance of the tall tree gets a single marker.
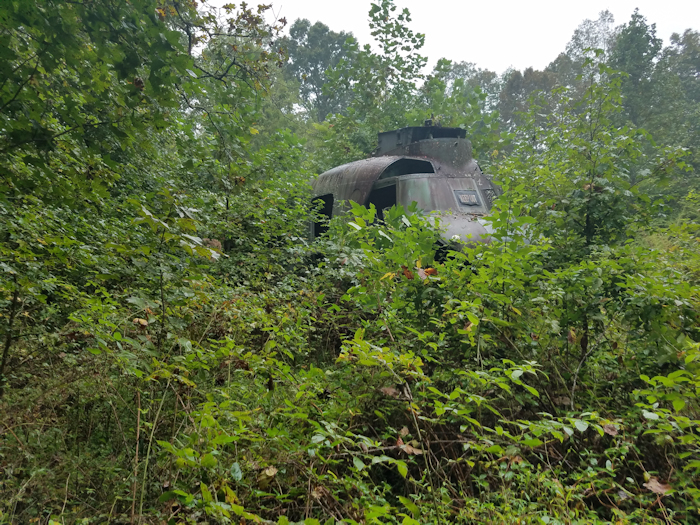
(674, 106)
(313, 50)
(591, 35)
(518, 88)
(382, 82)
(635, 52)
(488, 82)
(97, 102)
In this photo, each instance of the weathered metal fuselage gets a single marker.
(431, 166)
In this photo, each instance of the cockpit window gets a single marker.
(406, 167)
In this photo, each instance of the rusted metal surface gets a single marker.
(353, 181)
(429, 165)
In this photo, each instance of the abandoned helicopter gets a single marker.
(430, 165)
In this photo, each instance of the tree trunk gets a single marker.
(8, 337)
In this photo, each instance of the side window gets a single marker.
(382, 198)
(326, 212)
(406, 167)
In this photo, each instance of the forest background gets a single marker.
(175, 349)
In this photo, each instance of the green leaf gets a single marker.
(403, 468)
(359, 465)
(223, 439)
(532, 390)
(410, 505)
(209, 461)
(206, 495)
(495, 449)
(236, 472)
(650, 415)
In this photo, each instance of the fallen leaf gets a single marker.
(403, 432)
(422, 274)
(265, 477)
(407, 272)
(657, 487)
(139, 321)
(430, 271)
(562, 400)
(610, 430)
(408, 449)
(399, 442)
(319, 492)
(390, 391)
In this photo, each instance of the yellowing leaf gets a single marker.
(388, 275)
(206, 494)
(231, 497)
(254, 131)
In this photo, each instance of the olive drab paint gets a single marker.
(429, 165)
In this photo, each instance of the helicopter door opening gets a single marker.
(325, 213)
(382, 198)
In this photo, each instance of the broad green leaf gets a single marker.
(582, 426)
(236, 472)
(208, 461)
(206, 494)
(359, 465)
(403, 468)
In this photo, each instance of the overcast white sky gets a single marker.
(495, 34)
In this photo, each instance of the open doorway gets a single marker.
(382, 198)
